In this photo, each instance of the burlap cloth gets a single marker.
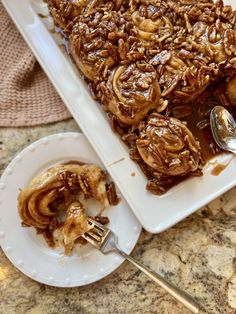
(27, 97)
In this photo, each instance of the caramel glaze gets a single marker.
(199, 116)
(218, 169)
(199, 119)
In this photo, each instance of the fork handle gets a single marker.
(177, 293)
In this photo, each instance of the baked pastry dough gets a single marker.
(75, 225)
(56, 191)
(167, 146)
(131, 92)
(143, 58)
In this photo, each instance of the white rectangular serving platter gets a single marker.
(155, 213)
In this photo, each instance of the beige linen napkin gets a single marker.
(27, 97)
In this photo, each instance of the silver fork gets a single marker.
(106, 241)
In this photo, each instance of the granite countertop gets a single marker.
(197, 254)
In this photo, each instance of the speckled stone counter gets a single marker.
(198, 255)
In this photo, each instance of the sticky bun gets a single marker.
(51, 201)
(143, 58)
(131, 92)
(168, 146)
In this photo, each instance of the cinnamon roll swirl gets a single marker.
(168, 146)
(56, 191)
(149, 29)
(131, 92)
(146, 57)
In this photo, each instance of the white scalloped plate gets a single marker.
(154, 213)
(28, 251)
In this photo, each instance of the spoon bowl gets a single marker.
(223, 127)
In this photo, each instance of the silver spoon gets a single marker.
(223, 127)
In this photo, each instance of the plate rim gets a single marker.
(8, 250)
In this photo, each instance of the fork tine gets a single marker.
(97, 227)
(98, 234)
(97, 231)
(94, 235)
(87, 237)
(109, 243)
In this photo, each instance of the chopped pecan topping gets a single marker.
(111, 194)
(152, 56)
